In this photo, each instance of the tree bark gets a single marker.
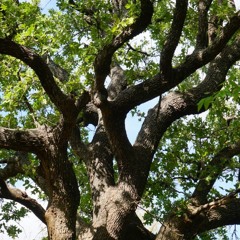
(63, 197)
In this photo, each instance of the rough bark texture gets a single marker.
(115, 200)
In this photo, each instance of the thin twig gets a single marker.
(139, 51)
(36, 123)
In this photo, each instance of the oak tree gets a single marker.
(93, 63)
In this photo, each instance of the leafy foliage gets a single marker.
(11, 213)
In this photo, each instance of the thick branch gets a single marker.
(218, 213)
(78, 146)
(100, 165)
(56, 70)
(89, 115)
(140, 93)
(219, 68)
(173, 106)
(61, 101)
(17, 195)
(196, 220)
(201, 57)
(176, 105)
(221, 214)
(21, 140)
(65, 125)
(118, 82)
(173, 37)
(83, 100)
(202, 38)
(104, 57)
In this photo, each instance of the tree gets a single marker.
(55, 68)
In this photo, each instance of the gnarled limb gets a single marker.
(220, 213)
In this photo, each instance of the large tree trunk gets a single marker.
(63, 195)
(114, 218)
(170, 231)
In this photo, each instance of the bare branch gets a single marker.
(136, 50)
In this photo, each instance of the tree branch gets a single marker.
(201, 57)
(89, 115)
(118, 82)
(173, 38)
(176, 104)
(79, 148)
(61, 101)
(21, 140)
(56, 70)
(17, 195)
(153, 87)
(202, 38)
(218, 213)
(136, 50)
(100, 164)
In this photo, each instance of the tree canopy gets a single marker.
(93, 63)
